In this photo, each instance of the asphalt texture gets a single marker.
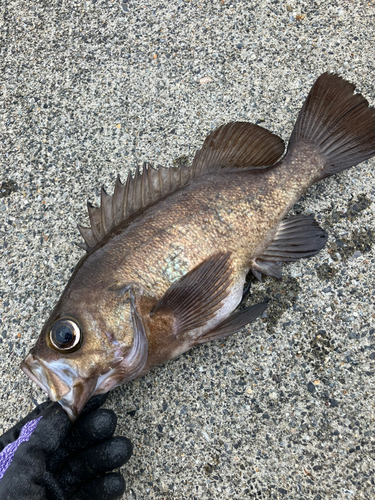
(285, 408)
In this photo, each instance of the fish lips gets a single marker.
(61, 382)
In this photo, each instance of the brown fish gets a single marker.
(168, 253)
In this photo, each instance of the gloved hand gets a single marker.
(45, 457)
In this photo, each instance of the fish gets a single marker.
(168, 253)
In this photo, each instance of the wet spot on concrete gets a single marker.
(208, 469)
(353, 210)
(326, 272)
(181, 161)
(361, 241)
(7, 188)
(321, 345)
(283, 294)
(355, 207)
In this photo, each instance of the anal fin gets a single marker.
(268, 268)
(233, 323)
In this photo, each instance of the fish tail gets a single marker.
(339, 125)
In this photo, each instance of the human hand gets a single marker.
(45, 457)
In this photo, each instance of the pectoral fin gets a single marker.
(297, 238)
(233, 323)
(196, 297)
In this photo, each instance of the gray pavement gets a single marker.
(284, 409)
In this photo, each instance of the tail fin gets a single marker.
(338, 123)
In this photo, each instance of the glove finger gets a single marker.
(90, 428)
(53, 489)
(94, 461)
(95, 402)
(97, 425)
(108, 487)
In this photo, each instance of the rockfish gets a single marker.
(168, 253)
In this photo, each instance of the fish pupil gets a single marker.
(63, 334)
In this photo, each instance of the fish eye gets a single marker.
(65, 335)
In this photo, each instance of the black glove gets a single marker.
(58, 461)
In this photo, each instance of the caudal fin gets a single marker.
(339, 124)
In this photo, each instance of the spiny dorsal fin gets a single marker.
(237, 144)
(147, 186)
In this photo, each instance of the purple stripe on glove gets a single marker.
(6, 456)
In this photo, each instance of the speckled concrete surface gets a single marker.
(285, 409)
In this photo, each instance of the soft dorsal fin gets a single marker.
(236, 144)
(239, 144)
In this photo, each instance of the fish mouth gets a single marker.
(61, 382)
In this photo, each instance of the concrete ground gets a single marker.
(284, 409)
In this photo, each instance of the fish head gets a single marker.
(89, 345)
